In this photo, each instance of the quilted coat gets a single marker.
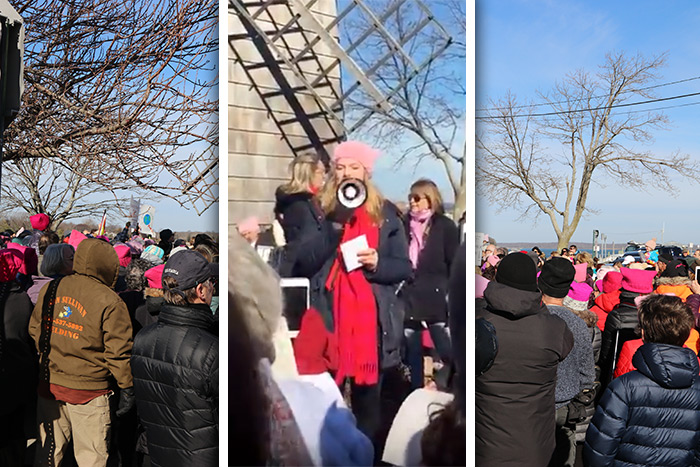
(649, 416)
(176, 381)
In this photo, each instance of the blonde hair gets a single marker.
(585, 257)
(429, 189)
(302, 169)
(373, 205)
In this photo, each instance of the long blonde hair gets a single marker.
(373, 205)
(302, 169)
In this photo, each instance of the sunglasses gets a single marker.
(416, 198)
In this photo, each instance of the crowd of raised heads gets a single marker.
(99, 332)
(343, 380)
(585, 363)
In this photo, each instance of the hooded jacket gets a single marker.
(649, 416)
(629, 348)
(604, 304)
(515, 421)
(91, 332)
(678, 286)
(176, 383)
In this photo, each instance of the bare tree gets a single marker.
(43, 185)
(427, 118)
(129, 85)
(515, 169)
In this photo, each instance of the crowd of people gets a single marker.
(582, 363)
(374, 310)
(108, 349)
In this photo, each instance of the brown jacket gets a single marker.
(91, 332)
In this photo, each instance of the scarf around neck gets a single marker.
(417, 226)
(355, 309)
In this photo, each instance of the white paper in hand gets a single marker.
(350, 249)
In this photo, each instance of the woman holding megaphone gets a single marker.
(356, 264)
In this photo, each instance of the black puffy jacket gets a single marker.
(649, 416)
(175, 363)
(624, 317)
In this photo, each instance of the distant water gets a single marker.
(548, 251)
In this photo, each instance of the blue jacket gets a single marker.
(650, 416)
(316, 257)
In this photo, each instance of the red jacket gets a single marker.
(624, 362)
(604, 303)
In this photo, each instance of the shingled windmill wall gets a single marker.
(271, 116)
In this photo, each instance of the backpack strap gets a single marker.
(47, 327)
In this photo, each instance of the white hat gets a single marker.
(627, 260)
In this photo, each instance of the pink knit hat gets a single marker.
(580, 272)
(75, 238)
(611, 282)
(360, 152)
(637, 280)
(249, 224)
(10, 264)
(124, 254)
(155, 277)
(578, 296)
(480, 286)
(30, 262)
(39, 221)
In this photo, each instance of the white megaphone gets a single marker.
(351, 193)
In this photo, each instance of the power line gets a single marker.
(616, 106)
(594, 97)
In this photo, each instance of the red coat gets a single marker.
(604, 303)
(624, 362)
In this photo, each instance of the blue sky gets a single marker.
(525, 46)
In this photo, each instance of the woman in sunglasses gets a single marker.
(433, 240)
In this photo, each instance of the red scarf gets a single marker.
(355, 309)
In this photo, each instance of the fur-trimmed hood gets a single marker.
(678, 280)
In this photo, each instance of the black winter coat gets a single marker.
(301, 217)
(624, 317)
(426, 292)
(649, 416)
(515, 421)
(315, 262)
(18, 358)
(175, 363)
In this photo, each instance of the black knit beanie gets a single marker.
(556, 277)
(518, 271)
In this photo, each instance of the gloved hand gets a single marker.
(126, 401)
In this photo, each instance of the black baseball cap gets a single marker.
(189, 268)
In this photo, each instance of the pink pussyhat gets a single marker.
(30, 262)
(578, 296)
(39, 221)
(10, 264)
(356, 151)
(155, 277)
(249, 224)
(124, 254)
(75, 239)
(581, 270)
(637, 280)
